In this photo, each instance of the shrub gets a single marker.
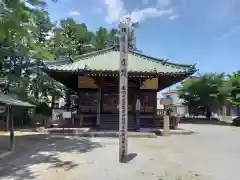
(43, 109)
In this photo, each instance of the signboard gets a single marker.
(86, 82)
(123, 92)
(67, 115)
(150, 84)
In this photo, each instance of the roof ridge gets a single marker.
(94, 53)
(161, 60)
(115, 47)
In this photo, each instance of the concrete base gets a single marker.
(68, 130)
(87, 132)
(116, 134)
(228, 119)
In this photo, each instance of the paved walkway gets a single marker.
(210, 152)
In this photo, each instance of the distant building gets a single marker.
(229, 110)
(171, 100)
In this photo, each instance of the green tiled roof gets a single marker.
(8, 100)
(108, 60)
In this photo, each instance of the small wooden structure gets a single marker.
(95, 78)
(9, 103)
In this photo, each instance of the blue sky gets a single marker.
(205, 32)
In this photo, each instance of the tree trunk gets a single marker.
(208, 113)
(37, 81)
(53, 102)
(68, 100)
(11, 125)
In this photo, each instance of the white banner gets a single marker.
(123, 92)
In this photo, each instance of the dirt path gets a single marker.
(210, 153)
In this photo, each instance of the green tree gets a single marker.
(203, 94)
(71, 39)
(101, 38)
(41, 28)
(113, 37)
(21, 41)
(232, 84)
(24, 25)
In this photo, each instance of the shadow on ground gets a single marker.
(177, 131)
(131, 156)
(182, 132)
(43, 149)
(204, 121)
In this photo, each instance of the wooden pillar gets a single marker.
(99, 107)
(101, 84)
(11, 126)
(7, 121)
(137, 112)
(80, 94)
(155, 107)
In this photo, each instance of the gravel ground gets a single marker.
(210, 152)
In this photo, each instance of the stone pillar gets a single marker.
(166, 128)
(224, 110)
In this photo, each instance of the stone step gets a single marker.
(111, 122)
(115, 124)
(116, 128)
(115, 120)
(116, 134)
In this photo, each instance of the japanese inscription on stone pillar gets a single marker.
(123, 93)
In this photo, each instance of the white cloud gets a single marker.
(116, 10)
(73, 13)
(142, 14)
(173, 17)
